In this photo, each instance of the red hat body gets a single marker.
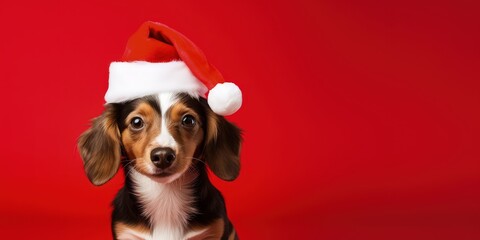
(158, 58)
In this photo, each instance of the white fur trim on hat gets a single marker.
(130, 80)
(225, 98)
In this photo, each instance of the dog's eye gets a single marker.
(188, 121)
(137, 123)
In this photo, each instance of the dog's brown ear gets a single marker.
(222, 147)
(99, 148)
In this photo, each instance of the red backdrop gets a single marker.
(361, 120)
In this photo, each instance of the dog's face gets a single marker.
(162, 137)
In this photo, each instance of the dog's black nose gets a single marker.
(162, 157)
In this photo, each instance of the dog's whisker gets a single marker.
(129, 162)
(198, 159)
(130, 165)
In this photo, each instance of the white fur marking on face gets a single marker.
(165, 139)
(167, 206)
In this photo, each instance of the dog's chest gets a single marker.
(167, 206)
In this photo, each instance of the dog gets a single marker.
(164, 142)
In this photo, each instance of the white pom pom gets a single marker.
(225, 98)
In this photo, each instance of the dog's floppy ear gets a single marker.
(222, 146)
(99, 147)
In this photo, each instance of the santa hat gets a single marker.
(159, 59)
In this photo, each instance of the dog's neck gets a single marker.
(168, 206)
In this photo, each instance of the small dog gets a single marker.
(164, 143)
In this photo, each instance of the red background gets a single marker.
(361, 119)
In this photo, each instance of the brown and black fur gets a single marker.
(103, 151)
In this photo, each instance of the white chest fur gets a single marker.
(167, 206)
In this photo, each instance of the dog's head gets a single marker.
(160, 136)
